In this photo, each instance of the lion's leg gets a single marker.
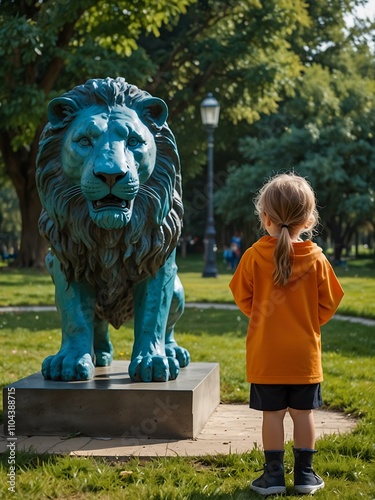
(75, 303)
(175, 312)
(152, 300)
(102, 343)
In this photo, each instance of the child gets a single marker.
(287, 288)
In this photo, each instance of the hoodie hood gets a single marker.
(306, 253)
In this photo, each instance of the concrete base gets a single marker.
(111, 405)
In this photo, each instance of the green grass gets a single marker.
(358, 281)
(219, 478)
(347, 462)
(25, 287)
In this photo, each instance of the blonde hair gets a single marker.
(289, 201)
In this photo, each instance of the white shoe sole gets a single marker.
(272, 490)
(308, 490)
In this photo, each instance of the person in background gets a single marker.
(288, 289)
(236, 250)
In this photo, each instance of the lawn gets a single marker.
(346, 462)
(357, 278)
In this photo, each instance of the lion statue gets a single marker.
(108, 177)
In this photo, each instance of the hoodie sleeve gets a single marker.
(330, 293)
(241, 285)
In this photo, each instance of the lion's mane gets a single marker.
(111, 261)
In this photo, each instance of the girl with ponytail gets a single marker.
(288, 289)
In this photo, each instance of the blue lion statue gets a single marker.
(109, 180)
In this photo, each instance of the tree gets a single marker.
(50, 46)
(242, 50)
(10, 221)
(226, 47)
(325, 132)
(47, 47)
(236, 49)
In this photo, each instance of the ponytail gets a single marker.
(283, 256)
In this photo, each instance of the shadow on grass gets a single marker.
(361, 268)
(10, 277)
(194, 320)
(213, 321)
(32, 321)
(29, 460)
(194, 263)
(350, 339)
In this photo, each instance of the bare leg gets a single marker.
(273, 430)
(304, 428)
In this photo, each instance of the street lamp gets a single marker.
(210, 111)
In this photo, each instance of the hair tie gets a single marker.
(285, 225)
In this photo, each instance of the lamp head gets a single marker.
(210, 111)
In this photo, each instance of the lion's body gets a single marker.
(108, 176)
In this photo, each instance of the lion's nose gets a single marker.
(110, 178)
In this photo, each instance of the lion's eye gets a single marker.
(133, 142)
(84, 141)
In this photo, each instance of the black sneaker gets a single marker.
(272, 481)
(306, 481)
(309, 483)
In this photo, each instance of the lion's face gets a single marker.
(109, 154)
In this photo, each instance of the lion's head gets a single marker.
(108, 176)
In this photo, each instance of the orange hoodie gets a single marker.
(283, 344)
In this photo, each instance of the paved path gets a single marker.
(230, 429)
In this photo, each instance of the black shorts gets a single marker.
(267, 397)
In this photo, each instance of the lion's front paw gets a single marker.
(153, 368)
(68, 367)
(180, 353)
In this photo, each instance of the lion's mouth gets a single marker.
(111, 201)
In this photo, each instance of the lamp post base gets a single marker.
(210, 269)
(209, 274)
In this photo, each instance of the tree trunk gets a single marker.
(341, 233)
(32, 247)
(337, 252)
(20, 166)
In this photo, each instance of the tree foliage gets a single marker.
(47, 47)
(324, 132)
(237, 49)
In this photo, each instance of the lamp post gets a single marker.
(210, 111)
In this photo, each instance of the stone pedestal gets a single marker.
(111, 405)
